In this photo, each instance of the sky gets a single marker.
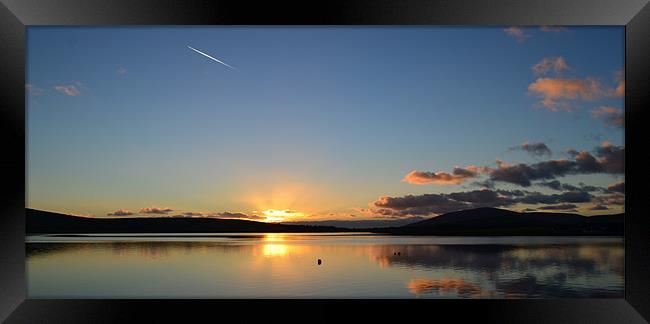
(313, 123)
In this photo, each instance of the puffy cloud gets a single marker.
(560, 207)
(428, 204)
(458, 176)
(611, 116)
(556, 93)
(611, 158)
(155, 210)
(607, 159)
(522, 174)
(547, 64)
(617, 187)
(434, 204)
(120, 212)
(69, 90)
(517, 33)
(534, 149)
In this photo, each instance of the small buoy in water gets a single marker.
(319, 261)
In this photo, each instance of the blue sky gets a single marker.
(314, 120)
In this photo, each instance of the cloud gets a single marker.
(619, 77)
(617, 187)
(612, 199)
(121, 71)
(230, 215)
(428, 204)
(523, 174)
(458, 176)
(534, 198)
(599, 207)
(435, 204)
(69, 90)
(31, 89)
(607, 159)
(222, 215)
(120, 212)
(557, 185)
(517, 33)
(560, 207)
(556, 93)
(552, 28)
(192, 214)
(611, 116)
(155, 210)
(547, 64)
(534, 149)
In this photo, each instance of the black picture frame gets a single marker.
(15, 15)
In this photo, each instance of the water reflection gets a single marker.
(277, 265)
(447, 287)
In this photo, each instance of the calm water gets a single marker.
(356, 266)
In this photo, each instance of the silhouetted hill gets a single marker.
(43, 222)
(494, 221)
(474, 222)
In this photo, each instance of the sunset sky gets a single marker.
(317, 123)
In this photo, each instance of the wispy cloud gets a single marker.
(33, 90)
(534, 149)
(619, 76)
(571, 207)
(518, 33)
(69, 90)
(121, 71)
(547, 64)
(611, 116)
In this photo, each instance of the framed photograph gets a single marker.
(174, 160)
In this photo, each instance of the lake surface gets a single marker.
(353, 266)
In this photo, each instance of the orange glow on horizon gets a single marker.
(274, 215)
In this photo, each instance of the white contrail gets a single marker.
(210, 57)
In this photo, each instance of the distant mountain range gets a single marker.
(43, 222)
(473, 222)
(494, 221)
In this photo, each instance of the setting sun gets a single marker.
(273, 215)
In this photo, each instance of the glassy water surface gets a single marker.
(353, 266)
